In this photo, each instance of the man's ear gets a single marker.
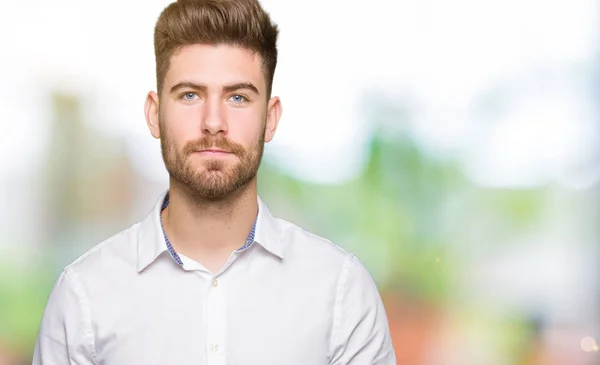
(151, 108)
(273, 116)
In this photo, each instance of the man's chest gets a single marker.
(217, 323)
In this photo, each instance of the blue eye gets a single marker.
(238, 99)
(189, 96)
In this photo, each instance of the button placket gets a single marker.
(215, 323)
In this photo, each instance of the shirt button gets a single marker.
(215, 283)
(214, 347)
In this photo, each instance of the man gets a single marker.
(210, 276)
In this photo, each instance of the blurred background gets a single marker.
(454, 146)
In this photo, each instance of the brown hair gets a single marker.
(242, 23)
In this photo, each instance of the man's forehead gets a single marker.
(215, 64)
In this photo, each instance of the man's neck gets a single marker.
(209, 230)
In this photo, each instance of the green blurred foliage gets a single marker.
(24, 290)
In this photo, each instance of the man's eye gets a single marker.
(189, 96)
(238, 99)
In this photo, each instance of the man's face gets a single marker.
(214, 118)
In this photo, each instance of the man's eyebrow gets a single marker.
(203, 87)
(239, 86)
(188, 85)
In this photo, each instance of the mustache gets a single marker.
(216, 143)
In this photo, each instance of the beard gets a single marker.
(216, 179)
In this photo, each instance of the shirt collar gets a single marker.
(151, 241)
(268, 232)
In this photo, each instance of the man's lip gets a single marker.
(213, 150)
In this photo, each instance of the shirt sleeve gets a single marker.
(65, 335)
(361, 333)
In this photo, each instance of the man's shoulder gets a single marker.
(120, 248)
(304, 244)
(332, 264)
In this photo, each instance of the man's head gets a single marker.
(215, 61)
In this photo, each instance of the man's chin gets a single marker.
(214, 192)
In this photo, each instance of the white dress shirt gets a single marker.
(291, 298)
